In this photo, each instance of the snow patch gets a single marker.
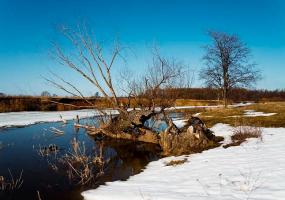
(254, 170)
(180, 123)
(27, 118)
(253, 113)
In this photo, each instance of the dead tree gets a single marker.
(89, 61)
(228, 64)
(147, 90)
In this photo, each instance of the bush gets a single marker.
(241, 133)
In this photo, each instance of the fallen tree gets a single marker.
(191, 138)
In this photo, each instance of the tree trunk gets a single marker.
(225, 97)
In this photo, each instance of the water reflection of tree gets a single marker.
(127, 158)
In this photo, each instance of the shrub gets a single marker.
(241, 133)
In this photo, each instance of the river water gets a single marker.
(19, 152)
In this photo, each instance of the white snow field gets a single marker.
(255, 170)
(253, 113)
(11, 119)
(27, 118)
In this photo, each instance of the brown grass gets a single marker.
(77, 165)
(224, 115)
(193, 102)
(176, 162)
(12, 183)
(241, 133)
(38, 103)
(232, 144)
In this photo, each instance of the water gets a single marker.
(19, 151)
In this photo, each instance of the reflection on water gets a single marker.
(19, 150)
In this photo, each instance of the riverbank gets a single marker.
(253, 170)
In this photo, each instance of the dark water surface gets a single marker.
(19, 151)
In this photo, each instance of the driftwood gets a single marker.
(193, 137)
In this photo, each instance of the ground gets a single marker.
(253, 170)
(212, 116)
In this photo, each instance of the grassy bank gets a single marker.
(233, 116)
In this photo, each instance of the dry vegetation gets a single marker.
(221, 115)
(241, 133)
(12, 183)
(29, 103)
(76, 164)
(176, 162)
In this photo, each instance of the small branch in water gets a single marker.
(39, 196)
(12, 184)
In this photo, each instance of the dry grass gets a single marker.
(12, 183)
(224, 115)
(193, 102)
(241, 133)
(232, 144)
(81, 167)
(76, 164)
(176, 162)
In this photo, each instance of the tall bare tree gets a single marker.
(228, 64)
(86, 57)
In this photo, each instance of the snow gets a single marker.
(240, 105)
(253, 113)
(180, 122)
(255, 170)
(27, 118)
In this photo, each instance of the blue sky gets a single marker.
(178, 27)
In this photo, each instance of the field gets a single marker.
(30, 103)
(250, 170)
(234, 116)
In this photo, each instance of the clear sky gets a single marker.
(178, 27)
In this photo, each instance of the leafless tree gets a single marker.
(87, 58)
(228, 64)
(45, 94)
(148, 90)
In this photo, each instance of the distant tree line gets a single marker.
(235, 95)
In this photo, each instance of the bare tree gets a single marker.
(88, 59)
(150, 90)
(228, 64)
(45, 94)
(91, 63)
